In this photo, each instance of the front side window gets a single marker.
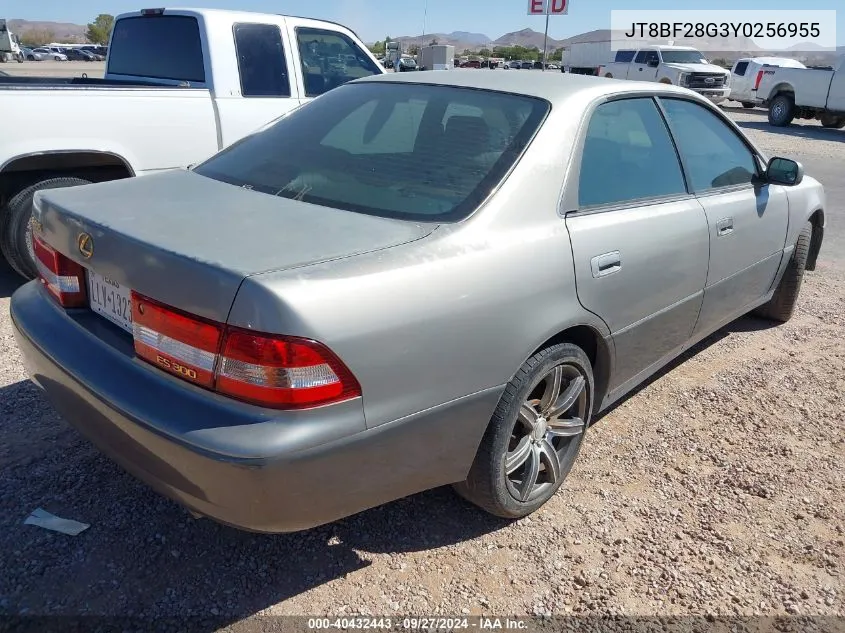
(330, 59)
(628, 155)
(406, 151)
(261, 61)
(713, 153)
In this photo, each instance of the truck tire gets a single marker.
(781, 111)
(15, 229)
(782, 304)
(833, 122)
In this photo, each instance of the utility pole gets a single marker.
(546, 35)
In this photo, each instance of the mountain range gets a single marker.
(463, 40)
(62, 31)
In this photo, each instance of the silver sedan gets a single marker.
(418, 279)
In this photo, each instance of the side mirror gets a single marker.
(784, 171)
(653, 63)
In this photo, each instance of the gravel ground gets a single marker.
(716, 489)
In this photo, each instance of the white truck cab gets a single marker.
(744, 76)
(678, 65)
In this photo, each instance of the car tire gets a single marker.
(781, 111)
(528, 449)
(781, 306)
(748, 105)
(15, 228)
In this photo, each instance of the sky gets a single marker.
(375, 19)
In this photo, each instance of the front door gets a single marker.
(747, 219)
(639, 239)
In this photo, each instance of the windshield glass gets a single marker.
(408, 151)
(683, 57)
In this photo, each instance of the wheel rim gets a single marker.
(547, 429)
(777, 110)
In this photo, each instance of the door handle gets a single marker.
(724, 226)
(607, 264)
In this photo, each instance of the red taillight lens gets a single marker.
(273, 371)
(180, 344)
(759, 78)
(282, 372)
(63, 277)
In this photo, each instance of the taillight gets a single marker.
(174, 341)
(759, 78)
(282, 371)
(273, 371)
(62, 277)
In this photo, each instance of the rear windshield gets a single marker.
(160, 47)
(408, 151)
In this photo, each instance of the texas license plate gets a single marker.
(110, 300)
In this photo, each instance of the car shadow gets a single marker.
(745, 324)
(9, 280)
(145, 556)
(811, 132)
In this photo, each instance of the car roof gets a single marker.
(553, 87)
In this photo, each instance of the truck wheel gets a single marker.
(535, 434)
(748, 104)
(16, 231)
(782, 304)
(781, 111)
(833, 122)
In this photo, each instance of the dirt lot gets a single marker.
(716, 489)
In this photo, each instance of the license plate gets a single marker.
(110, 300)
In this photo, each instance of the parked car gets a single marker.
(799, 93)
(46, 53)
(197, 106)
(527, 65)
(30, 55)
(407, 64)
(79, 55)
(677, 65)
(472, 63)
(746, 74)
(275, 382)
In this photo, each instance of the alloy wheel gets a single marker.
(547, 427)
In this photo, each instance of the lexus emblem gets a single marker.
(85, 244)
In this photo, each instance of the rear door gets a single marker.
(265, 71)
(640, 70)
(747, 219)
(639, 239)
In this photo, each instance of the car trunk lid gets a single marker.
(189, 241)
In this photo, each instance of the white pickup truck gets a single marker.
(804, 93)
(179, 85)
(676, 65)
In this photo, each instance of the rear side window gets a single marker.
(406, 151)
(330, 59)
(740, 69)
(625, 56)
(714, 154)
(640, 58)
(261, 61)
(628, 155)
(160, 47)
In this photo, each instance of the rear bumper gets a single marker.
(244, 466)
